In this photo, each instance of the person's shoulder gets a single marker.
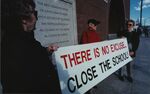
(135, 31)
(84, 32)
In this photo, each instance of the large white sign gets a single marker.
(56, 22)
(81, 67)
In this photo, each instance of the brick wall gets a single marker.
(98, 9)
(87, 9)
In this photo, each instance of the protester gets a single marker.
(26, 67)
(133, 42)
(91, 35)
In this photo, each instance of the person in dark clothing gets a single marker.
(26, 67)
(133, 43)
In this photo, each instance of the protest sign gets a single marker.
(81, 67)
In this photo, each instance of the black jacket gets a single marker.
(133, 38)
(26, 66)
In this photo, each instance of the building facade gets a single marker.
(112, 15)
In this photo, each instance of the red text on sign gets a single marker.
(76, 58)
(117, 46)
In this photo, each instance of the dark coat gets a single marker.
(26, 66)
(133, 38)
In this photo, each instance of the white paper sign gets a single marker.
(56, 22)
(81, 67)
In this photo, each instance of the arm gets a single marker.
(135, 41)
(52, 47)
(84, 38)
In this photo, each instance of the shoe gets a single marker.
(121, 78)
(130, 79)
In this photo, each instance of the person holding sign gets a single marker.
(133, 42)
(26, 67)
(91, 35)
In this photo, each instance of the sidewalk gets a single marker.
(140, 72)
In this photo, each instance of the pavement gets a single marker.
(140, 73)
